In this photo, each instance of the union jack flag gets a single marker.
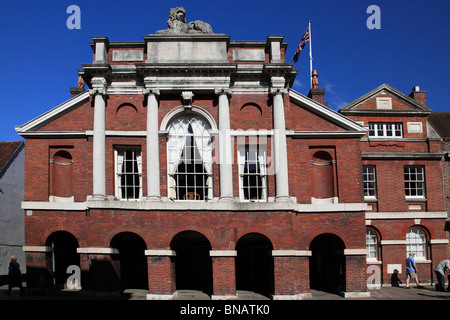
(301, 45)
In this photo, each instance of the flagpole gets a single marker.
(310, 55)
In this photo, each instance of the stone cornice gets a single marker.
(166, 205)
(402, 155)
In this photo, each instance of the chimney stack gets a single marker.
(78, 89)
(419, 96)
(315, 93)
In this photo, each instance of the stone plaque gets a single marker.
(384, 103)
(128, 55)
(248, 55)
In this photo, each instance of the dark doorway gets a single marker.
(133, 262)
(65, 254)
(193, 264)
(327, 263)
(254, 264)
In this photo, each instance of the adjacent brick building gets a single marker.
(403, 162)
(191, 163)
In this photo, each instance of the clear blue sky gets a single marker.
(40, 55)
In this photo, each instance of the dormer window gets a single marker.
(385, 130)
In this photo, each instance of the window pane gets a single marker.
(371, 129)
(389, 130)
(416, 242)
(369, 179)
(371, 244)
(385, 129)
(380, 131)
(129, 177)
(414, 181)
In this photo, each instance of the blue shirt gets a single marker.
(409, 264)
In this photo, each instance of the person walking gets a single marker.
(440, 270)
(14, 276)
(411, 271)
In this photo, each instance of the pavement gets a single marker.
(427, 292)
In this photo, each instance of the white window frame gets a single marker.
(178, 131)
(387, 130)
(371, 245)
(118, 171)
(414, 191)
(416, 242)
(259, 158)
(368, 181)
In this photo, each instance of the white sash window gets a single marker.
(416, 242)
(385, 130)
(371, 245)
(252, 172)
(128, 173)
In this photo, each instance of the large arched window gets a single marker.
(189, 158)
(416, 242)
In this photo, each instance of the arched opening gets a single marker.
(327, 263)
(133, 262)
(61, 174)
(193, 264)
(254, 264)
(64, 254)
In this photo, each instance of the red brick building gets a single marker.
(190, 163)
(403, 173)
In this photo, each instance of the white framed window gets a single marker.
(371, 245)
(128, 173)
(370, 182)
(385, 130)
(416, 242)
(414, 181)
(189, 157)
(252, 172)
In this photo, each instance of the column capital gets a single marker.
(220, 91)
(99, 83)
(274, 91)
(147, 91)
(99, 86)
(95, 91)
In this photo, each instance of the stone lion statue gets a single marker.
(177, 24)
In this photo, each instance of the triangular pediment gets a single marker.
(384, 100)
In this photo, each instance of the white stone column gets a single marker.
(279, 141)
(225, 147)
(153, 178)
(99, 162)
